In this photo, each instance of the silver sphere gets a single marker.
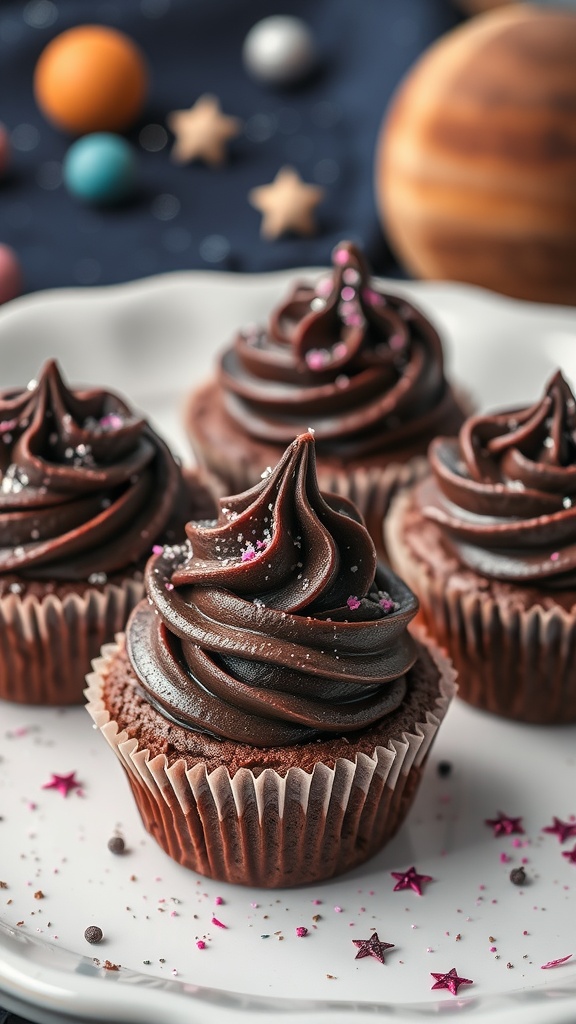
(279, 50)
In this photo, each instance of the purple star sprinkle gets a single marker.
(353, 603)
(503, 825)
(410, 879)
(451, 981)
(63, 783)
(563, 829)
(372, 947)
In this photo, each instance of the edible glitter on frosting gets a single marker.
(504, 491)
(269, 650)
(362, 367)
(85, 484)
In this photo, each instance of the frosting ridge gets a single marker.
(504, 491)
(363, 367)
(274, 625)
(86, 486)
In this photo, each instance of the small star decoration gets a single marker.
(503, 825)
(563, 829)
(287, 204)
(451, 981)
(410, 879)
(202, 132)
(570, 855)
(63, 783)
(372, 947)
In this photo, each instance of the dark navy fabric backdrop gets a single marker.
(188, 217)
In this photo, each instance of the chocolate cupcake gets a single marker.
(362, 368)
(270, 708)
(86, 489)
(488, 542)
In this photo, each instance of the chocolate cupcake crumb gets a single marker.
(116, 845)
(518, 876)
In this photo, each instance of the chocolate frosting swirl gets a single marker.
(275, 626)
(504, 491)
(363, 367)
(86, 486)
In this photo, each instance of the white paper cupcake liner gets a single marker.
(47, 644)
(516, 662)
(269, 829)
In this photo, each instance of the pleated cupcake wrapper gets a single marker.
(271, 830)
(47, 644)
(513, 662)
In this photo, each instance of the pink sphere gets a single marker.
(10, 274)
(4, 150)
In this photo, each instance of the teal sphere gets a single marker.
(100, 169)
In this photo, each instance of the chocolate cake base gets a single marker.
(513, 646)
(277, 816)
(51, 630)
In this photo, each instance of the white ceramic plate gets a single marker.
(154, 340)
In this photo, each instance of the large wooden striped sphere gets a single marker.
(476, 161)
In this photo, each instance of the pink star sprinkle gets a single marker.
(570, 855)
(218, 923)
(554, 556)
(410, 879)
(63, 783)
(371, 947)
(301, 931)
(261, 544)
(556, 963)
(341, 257)
(158, 549)
(218, 901)
(353, 603)
(169, 586)
(503, 825)
(7, 425)
(563, 829)
(387, 604)
(248, 554)
(451, 981)
(201, 944)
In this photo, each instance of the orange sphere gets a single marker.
(476, 162)
(91, 79)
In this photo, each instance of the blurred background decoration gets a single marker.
(308, 92)
(476, 166)
(139, 136)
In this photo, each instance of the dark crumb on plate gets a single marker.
(444, 769)
(518, 876)
(93, 934)
(116, 844)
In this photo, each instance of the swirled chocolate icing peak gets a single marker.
(85, 485)
(363, 367)
(274, 625)
(504, 491)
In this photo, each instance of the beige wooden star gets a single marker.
(202, 132)
(287, 204)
